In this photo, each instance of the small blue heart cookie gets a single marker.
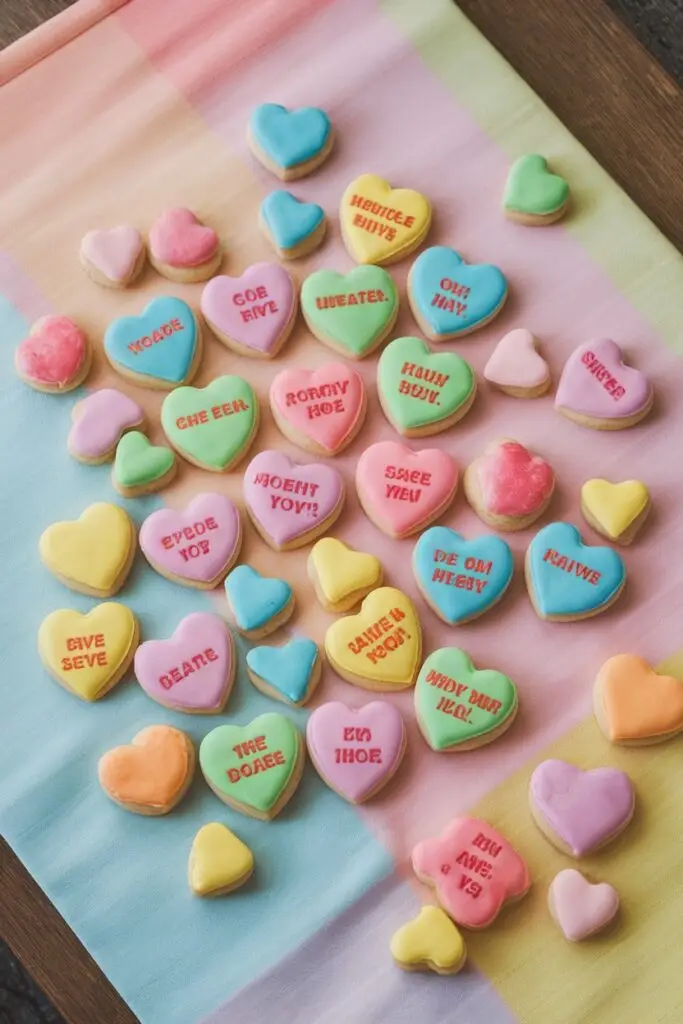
(290, 143)
(449, 297)
(159, 348)
(293, 227)
(289, 673)
(259, 604)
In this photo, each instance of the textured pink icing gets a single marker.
(322, 404)
(595, 382)
(179, 239)
(195, 544)
(355, 749)
(253, 309)
(192, 668)
(514, 482)
(113, 251)
(515, 362)
(580, 907)
(53, 353)
(101, 419)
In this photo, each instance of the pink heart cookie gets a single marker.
(291, 504)
(321, 410)
(598, 390)
(197, 547)
(100, 421)
(402, 491)
(55, 357)
(356, 750)
(509, 487)
(252, 314)
(579, 907)
(516, 367)
(113, 256)
(182, 248)
(193, 670)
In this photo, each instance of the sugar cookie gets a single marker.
(89, 654)
(516, 367)
(219, 861)
(92, 554)
(193, 670)
(291, 504)
(254, 768)
(289, 673)
(581, 908)
(403, 491)
(474, 870)
(183, 249)
(160, 348)
(151, 774)
(292, 227)
(320, 410)
(580, 811)
(566, 579)
(597, 389)
(381, 224)
(253, 314)
(214, 426)
(55, 357)
(341, 576)
(617, 511)
(449, 297)
(430, 942)
(380, 648)
(113, 257)
(99, 423)
(533, 194)
(508, 486)
(634, 705)
(290, 143)
(259, 604)
(351, 313)
(140, 467)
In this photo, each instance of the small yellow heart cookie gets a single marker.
(429, 942)
(89, 654)
(341, 576)
(617, 511)
(219, 861)
(92, 554)
(381, 224)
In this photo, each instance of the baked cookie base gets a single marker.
(96, 275)
(259, 632)
(296, 170)
(270, 691)
(308, 245)
(188, 275)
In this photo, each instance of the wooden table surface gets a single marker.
(625, 109)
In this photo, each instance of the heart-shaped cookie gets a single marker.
(55, 357)
(289, 673)
(423, 392)
(219, 861)
(252, 314)
(449, 297)
(198, 546)
(402, 491)
(292, 227)
(193, 670)
(380, 647)
(254, 768)
(516, 367)
(533, 194)
(635, 705)
(320, 410)
(459, 707)
(356, 750)
(150, 775)
(290, 143)
(580, 811)
(381, 224)
(92, 554)
(352, 313)
(182, 248)
(259, 604)
(509, 487)
(617, 511)
(288, 503)
(429, 942)
(89, 654)
(212, 427)
(597, 389)
(160, 348)
(580, 908)
(113, 257)
(567, 580)
(99, 422)
(341, 576)
(461, 579)
(140, 467)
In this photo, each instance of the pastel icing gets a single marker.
(138, 463)
(531, 188)
(211, 426)
(160, 343)
(380, 223)
(287, 669)
(113, 251)
(461, 578)
(253, 309)
(179, 239)
(341, 571)
(356, 750)
(219, 861)
(289, 220)
(596, 382)
(255, 599)
(419, 388)
(569, 578)
(615, 506)
(474, 870)
(512, 480)
(323, 405)
(352, 310)
(100, 420)
(290, 137)
(151, 772)
(456, 703)
(54, 352)
(196, 544)
(193, 669)
(638, 704)
(579, 907)
(287, 500)
(584, 809)
(515, 363)
(91, 551)
(429, 939)
(452, 296)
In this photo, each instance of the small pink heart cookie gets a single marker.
(55, 357)
(253, 314)
(320, 410)
(581, 908)
(516, 367)
(113, 257)
(99, 422)
(598, 390)
(509, 487)
(183, 249)
(291, 504)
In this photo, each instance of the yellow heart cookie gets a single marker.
(615, 510)
(341, 576)
(88, 654)
(92, 554)
(380, 647)
(429, 942)
(219, 861)
(381, 224)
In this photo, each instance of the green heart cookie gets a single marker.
(351, 312)
(532, 189)
(138, 463)
(212, 426)
(458, 706)
(420, 390)
(251, 766)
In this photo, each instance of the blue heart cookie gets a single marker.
(449, 297)
(256, 600)
(460, 579)
(566, 578)
(289, 137)
(288, 221)
(158, 345)
(290, 672)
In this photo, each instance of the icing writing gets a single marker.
(370, 636)
(195, 544)
(351, 298)
(601, 373)
(461, 580)
(163, 331)
(357, 755)
(216, 412)
(451, 300)
(193, 420)
(449, 296)
(419, 391)
(350, 311)
(419, 388)
(408, 476)
(289, 484)
(386, 213)
(190, 533)
(316, 399)
(252, 766)
(132, 342)
(87, 660)
(457, 708)
(570, 565)
(561, 583)
(287, 500)
(187, 668)
(255, 303)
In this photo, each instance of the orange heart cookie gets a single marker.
(635, 705)
(150, 775)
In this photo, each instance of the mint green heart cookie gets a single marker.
(420, 391)
(140, 467)
(212, 426)
(352, 313)
(459, 707)
(533, 194)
